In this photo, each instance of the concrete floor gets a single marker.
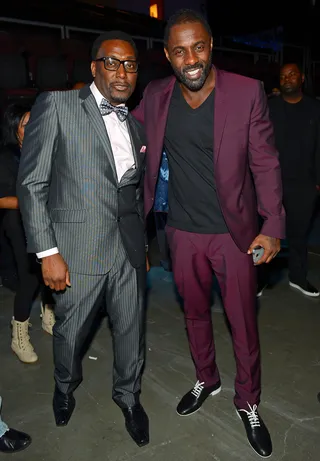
(289, 328)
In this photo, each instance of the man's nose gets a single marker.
(190, 58)
(121, 72)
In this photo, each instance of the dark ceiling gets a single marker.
(300, 19)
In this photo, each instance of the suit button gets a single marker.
(151, 199)
(119, 190)
(118, 219)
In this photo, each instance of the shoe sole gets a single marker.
(263, 457)
(306, 293)
(217, 391)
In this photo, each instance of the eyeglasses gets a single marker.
(113, 64)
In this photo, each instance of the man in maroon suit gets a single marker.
(223, 168)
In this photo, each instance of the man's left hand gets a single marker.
(270, 245)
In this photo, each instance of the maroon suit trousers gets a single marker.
(194, 258)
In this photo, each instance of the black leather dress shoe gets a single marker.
(13, 441)
(63, 406)
(137, 424)
(192, 401)
(257, 432)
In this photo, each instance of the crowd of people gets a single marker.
(228, 176)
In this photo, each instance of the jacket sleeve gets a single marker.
(265, 167)
(138, 112)
(39, 148)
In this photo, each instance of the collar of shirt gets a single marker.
(119, 137)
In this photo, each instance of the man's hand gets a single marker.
(55, 272)
(270, 245)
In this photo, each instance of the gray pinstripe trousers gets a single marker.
(123, 291)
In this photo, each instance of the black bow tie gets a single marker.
(106, 108)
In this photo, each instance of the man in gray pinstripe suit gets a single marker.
(80, 195)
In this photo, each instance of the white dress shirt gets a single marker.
(120, 141)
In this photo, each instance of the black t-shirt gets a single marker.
(296, 128)
(193, 202)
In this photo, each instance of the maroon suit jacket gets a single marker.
(246, 166)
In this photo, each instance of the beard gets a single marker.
(194, 85)
(289, 90)
(119, 97)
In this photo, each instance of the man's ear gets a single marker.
(167, 54)
(93, 69)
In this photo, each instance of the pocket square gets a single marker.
(143, 149)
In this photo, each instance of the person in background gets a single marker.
(11, 440)
(78, 85)
(16, 118)
(296, 121)
(274, 93)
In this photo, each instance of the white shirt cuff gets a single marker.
(44, 254)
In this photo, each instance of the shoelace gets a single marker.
(24, 342)
(253, 416)
(198, 388)
(51, 318)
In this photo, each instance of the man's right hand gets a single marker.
(55, 272)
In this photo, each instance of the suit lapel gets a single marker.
(90, 107)
(220, 114)
(160, 111)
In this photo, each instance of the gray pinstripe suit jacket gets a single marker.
(68, 190)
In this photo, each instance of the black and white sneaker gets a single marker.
(193, 400)
(257, 432)
(306, 288)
